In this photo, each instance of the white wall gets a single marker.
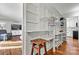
(6, 26)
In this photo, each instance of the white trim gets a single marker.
(24, 30)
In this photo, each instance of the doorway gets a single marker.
(72, 27)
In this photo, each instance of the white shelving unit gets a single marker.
(62, 32)
(63, 29)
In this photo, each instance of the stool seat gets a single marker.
(37, 44)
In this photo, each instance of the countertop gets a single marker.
(48, 38)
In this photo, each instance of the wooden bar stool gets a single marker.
(37, 44)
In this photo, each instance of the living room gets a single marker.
(10, 29)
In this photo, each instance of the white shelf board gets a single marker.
(39, 31)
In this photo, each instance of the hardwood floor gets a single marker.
(14, 51)
(71, 47)
(11, 48)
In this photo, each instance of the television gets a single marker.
(16, 27)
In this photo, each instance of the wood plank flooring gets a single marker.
(14, 51)
(11, 48)
(71, 47)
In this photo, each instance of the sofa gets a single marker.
(4, 35)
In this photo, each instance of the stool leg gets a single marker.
(39, 50)
(45, 48)
(32, 49)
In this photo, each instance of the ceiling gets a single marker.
(65, 9)
(14, 11)
(11, 12)
(68, 9)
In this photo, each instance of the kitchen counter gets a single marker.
(49, 43)
(48, 38)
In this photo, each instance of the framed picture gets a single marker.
(16, 27)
